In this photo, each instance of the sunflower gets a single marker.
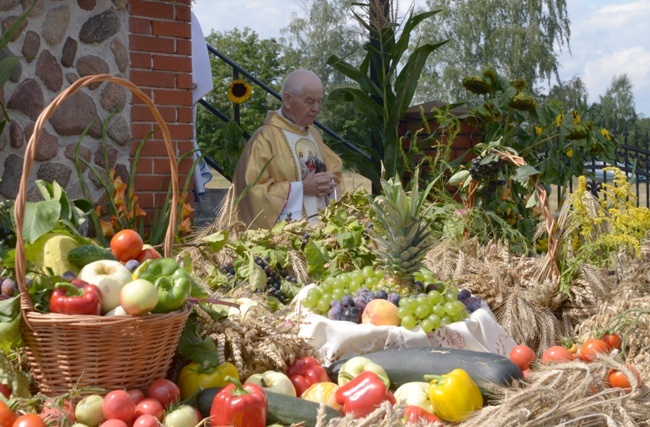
(239, 91)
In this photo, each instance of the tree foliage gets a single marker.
(617, 105)
(514, 38)
(571, 94)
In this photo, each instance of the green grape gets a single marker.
(380, 274)
(371, 281)
(338, 293)
(446, 320)
(451, 308)
(450, 295)
(368, 271)
(310, 301)
(327, 287)
(323, 304)
(315, 292)
(412, 304)
(344, 279)
(329, 281)
(402, 312)
(422, 300)
(354, 285)
(422, 311)
(427, 325)
(434, 297)
(454, 290)
(461, 315)
(403, 302)
(409, 322)
(435, 320)
(439, 310)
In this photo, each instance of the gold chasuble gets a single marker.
(291, 153)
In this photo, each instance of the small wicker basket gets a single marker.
(125, 352)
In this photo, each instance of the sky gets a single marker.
(608, 37)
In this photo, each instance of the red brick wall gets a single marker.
(161, 66)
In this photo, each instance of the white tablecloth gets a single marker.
(335, 339)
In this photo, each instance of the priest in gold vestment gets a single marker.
(302, 174)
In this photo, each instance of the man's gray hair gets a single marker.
(298, 80)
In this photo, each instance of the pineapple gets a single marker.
(402, 232)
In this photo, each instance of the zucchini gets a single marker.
(85, 254)
(404, 365)
(283, 409)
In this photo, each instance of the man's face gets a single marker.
(304, 108)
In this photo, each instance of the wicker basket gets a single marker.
(124, 352)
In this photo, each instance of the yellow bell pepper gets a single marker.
(454, 396)
(194, 377)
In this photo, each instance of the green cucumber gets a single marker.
(404, 365)
(282, 409)
(85, 254)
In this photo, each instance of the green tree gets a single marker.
(571, 95)
(262, 58)
(517, 39)
(617, 105)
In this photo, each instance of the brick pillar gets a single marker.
(161, 66)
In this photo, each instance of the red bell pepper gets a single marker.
(68, 299)
(363, 394)
(414, 413)
(239, 406)
(305, 372)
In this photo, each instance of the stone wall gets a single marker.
(146, 42)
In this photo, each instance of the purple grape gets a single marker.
(463, 294)
(381, 294)
(334, 303)
(472, 304)
(9, 287)
(132, 264)
(68, 275)
(335, 312)
(351, 314)
(347, 301)
(360, 303)
(434, 287)
(361, 291)
(394, 298)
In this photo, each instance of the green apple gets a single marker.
(138, 297)
(109, 276)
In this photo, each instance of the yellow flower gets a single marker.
(186, 210)
(606, 134)
(576, 117)
(239, 91)
(558, 120)
(185, 226)
(569, 153)
(538, 130)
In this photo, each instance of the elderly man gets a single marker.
(292, 173)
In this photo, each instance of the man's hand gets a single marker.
(319, 184)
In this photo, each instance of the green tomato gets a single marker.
(138, 297)
(183, 416)
(89, 410)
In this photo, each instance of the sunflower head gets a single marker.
(239, 91)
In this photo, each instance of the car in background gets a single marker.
(595, 167)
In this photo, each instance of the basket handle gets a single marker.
(19, 205)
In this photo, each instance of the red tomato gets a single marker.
(118, 405)
(114, 423)
(613, 341)
(618, 379)
(29, 420)
(146, 420)
(7, 416)
(136, 395)
(591, 348)
(165, 391)
(148, 253)
(5, 390)
(126, 245)
(150, 406)
(556, 354)
(522, 356)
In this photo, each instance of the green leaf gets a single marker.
(256, 276)
(524, 172)
(40, 218)
(346, 240)
(203, 351)
(459, 177)
(7, 65)
(533, 200)
(315, 258)
(9, 323)
(216, 241)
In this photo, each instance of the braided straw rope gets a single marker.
(125, 352)
(549, 222)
